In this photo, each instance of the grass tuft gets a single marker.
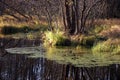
(55, 38)
(111, 46)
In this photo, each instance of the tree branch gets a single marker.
(13, 9)
(89, 9)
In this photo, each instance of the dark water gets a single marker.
(22, 67)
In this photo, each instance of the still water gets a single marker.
(20, 61)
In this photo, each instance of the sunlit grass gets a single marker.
(110, 46)
(55, 38)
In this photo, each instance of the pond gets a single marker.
(30, 61)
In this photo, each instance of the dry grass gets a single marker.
(113, 41)
(7, 20)
(110, 46)
(109, 22)
(113, 32)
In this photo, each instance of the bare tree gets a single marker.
(76, 13)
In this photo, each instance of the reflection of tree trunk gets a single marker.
(112, 72)
(49, 19)
(63, 14)
(76, 73)
(67, 71)
(19, 67)
(1, 65)
(64, 72)
(118, 72)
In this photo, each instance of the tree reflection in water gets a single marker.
(19, 67)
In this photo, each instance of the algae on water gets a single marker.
(77, 57)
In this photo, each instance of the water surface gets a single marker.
(22, 62)
(81, 57)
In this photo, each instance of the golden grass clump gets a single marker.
(110, 46)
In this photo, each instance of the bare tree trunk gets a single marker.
(72, 15)
(63, 15)
(49, 19)
(68, 17)
(77, 17)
